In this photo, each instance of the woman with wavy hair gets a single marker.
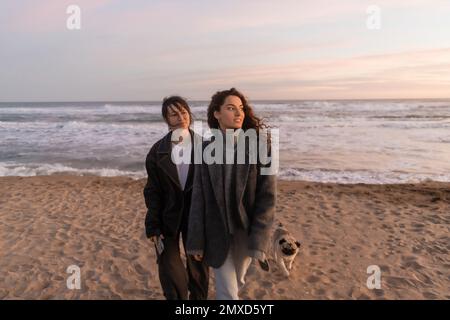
(233, 204)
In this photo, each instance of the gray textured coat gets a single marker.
(255, 196)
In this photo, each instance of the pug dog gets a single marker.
(284, 248)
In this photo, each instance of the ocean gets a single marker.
(378, 141)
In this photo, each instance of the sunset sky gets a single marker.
(145, 50)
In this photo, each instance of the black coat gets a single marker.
(167, 203)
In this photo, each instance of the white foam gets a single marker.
(291, 174)
(87, 109)
(17, 125)
(36, 169)
(125, 109)
(353, 177)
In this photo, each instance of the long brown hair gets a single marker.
(250, 120)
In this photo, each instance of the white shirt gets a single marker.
(182, 152)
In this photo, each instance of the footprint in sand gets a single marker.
(384, 268)
(140, 270)
(412, 264)
(312, 279)
(319, 292)
(3, 293)
(429, 295)
(259, 294)
(397, 282)
(332, 271)
(318, 272)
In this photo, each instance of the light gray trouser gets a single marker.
(230, 277)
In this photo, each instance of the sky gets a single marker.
(144, 50)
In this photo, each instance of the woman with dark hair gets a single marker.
(168, 195)
(232, 207)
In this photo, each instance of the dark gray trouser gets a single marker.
(176, 279)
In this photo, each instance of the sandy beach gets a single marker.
(48, 223)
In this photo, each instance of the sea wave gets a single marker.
(353, 177)
(291, 174)
(83, 109)
(39, 169)
(18, 125)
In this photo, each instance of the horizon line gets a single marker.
(251, 100)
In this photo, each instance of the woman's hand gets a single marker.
(198, 257)
(155, 238)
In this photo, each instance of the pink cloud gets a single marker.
(181, 17)
(424, 73)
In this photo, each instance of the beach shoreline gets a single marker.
(48, 223)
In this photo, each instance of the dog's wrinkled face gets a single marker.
(289, 246)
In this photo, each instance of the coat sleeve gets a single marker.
(263, 210)
(196, 225)
(153, 198)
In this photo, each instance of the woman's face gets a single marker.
(177, 118)
(231, 114)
